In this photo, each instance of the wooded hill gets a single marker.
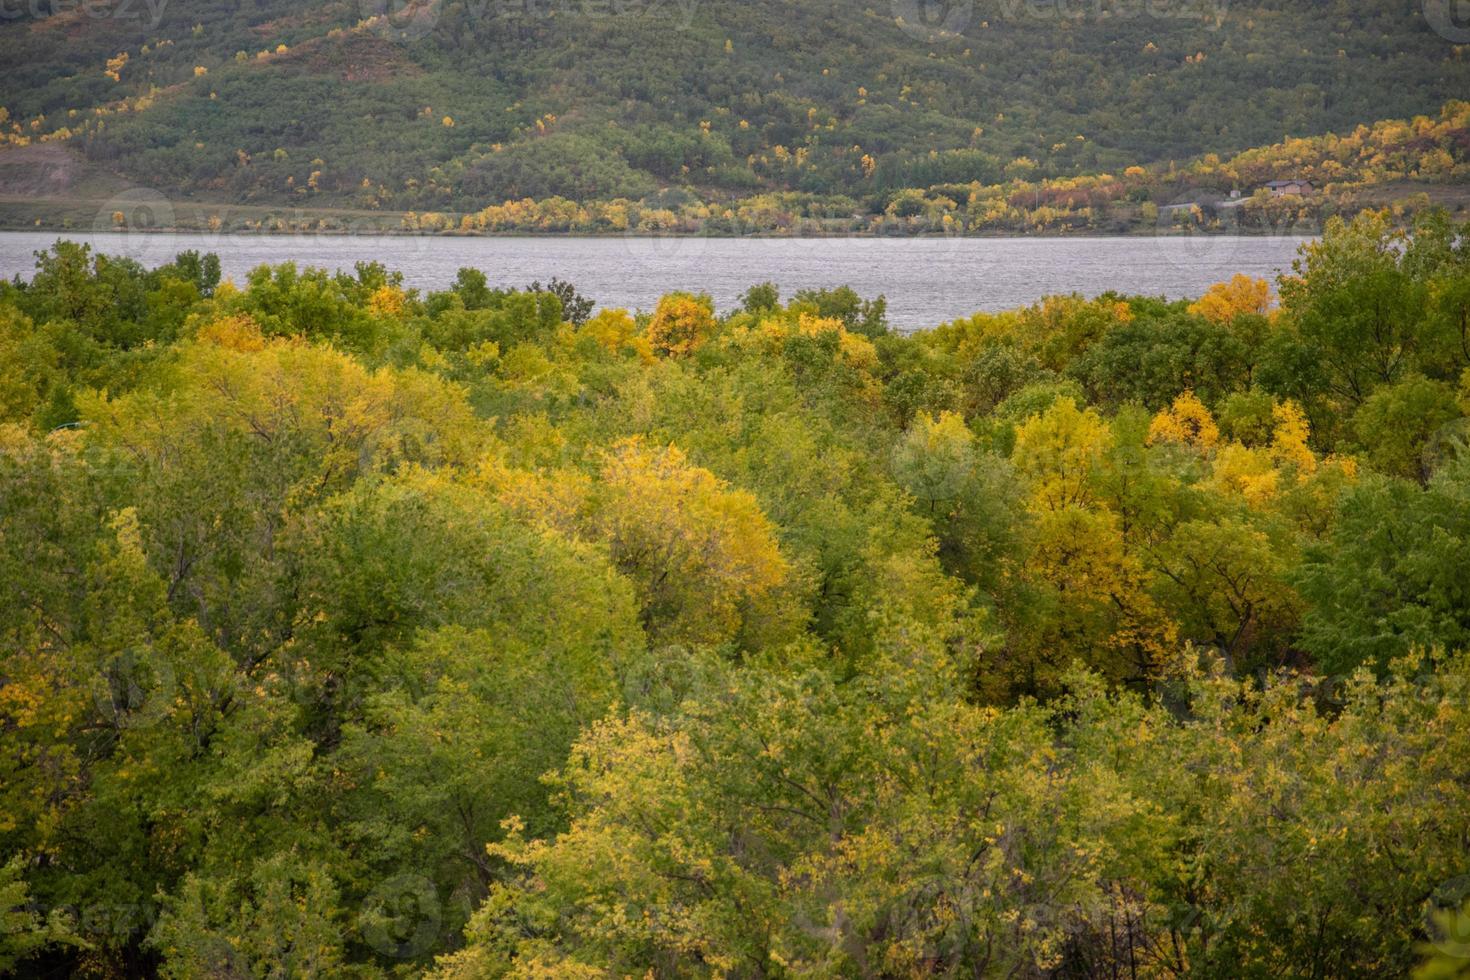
(456, 106)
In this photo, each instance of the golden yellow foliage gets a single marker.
(1186, 421)
(616, 331)
(680, 325)
(1225, 301)
(855, 350)
(348, 417)
(1289, 439)
(1346, 465)
(1247, 473)
(1081, 556)
(239, 332)
(387, 301)
(1059, 450)
(697, 550)
(556, 498)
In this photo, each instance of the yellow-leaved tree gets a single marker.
(1087, 596)
(698, 551)
(1242, 295)
(1059, 450)
(1185, 421)
(617, 332)
(681, 324)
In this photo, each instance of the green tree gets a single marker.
(1356, 306)
(1391, 575)
(1397, 424)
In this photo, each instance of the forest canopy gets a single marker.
(352, 630)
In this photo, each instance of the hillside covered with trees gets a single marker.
(676, 115)
(349, 631)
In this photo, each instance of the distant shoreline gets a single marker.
(543, 235)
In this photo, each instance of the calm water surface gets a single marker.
(927, 280)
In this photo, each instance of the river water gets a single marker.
(926, 280)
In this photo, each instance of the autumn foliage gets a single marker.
(354, 630)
